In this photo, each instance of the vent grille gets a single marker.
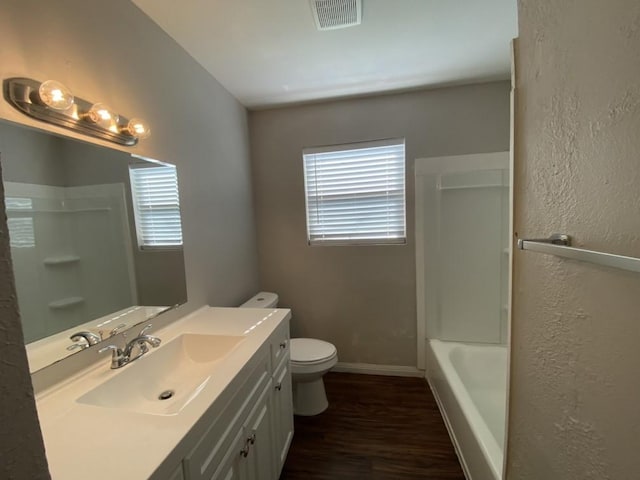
(333, 14)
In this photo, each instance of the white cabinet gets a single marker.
(282, 397)
(250, 437)
(250, 455)
(259, 439)
(282, 413)
(232, 466)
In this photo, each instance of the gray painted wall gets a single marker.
(111, 52)
(362, 299)
(574, 359)
(34, 156)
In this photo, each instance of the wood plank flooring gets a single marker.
(378, 428)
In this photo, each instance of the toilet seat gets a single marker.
(310, 351)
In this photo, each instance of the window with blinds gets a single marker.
(156, 206)
(356, 193)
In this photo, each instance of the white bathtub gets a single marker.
(469, 383)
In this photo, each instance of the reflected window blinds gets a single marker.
(156, 206)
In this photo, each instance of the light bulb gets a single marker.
(138, 128)
(55, 95)
(101, 113)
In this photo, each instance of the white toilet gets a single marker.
(310, 360)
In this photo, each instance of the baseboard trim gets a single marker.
(373, 369)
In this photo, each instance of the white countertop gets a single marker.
(85, 441)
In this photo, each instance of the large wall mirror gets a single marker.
(91, 254)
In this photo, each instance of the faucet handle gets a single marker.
(117, 356)
(117, 329)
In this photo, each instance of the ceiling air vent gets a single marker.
(333, 14)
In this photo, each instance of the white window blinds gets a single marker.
(356, 193)
(156, 206)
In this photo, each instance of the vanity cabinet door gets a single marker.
(259, 438)
(204, 461)
(282, 414)
(233, 465)
(250, 456)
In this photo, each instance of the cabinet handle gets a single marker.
(247, 445)
(245, 450)
(283, 345)
(279, 386)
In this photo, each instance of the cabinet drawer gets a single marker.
(202, 462)
(279, 345)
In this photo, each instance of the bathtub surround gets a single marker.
(574, 363)
(360, 298)
(462, 219)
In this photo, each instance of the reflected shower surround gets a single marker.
(62, 237)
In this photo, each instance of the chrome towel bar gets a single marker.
(560, 245)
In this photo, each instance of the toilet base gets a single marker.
(309, 398)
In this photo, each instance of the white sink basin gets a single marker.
(178, 370)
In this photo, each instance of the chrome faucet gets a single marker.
(141, 342)
(91, 338)
(121, 357)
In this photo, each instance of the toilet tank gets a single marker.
(262, 300)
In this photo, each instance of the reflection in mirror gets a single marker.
(79, 259)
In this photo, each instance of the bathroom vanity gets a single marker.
(227, 412)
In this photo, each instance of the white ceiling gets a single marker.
(268, 52)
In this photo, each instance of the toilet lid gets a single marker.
(307, 350)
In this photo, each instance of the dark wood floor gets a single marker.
(378, 428)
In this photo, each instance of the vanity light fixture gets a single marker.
(138, 128)
(55, 95)
(101, 113)
(52, 102)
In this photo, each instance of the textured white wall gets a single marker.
(575, 332)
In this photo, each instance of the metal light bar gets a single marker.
(23, 94)
(560, 245)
